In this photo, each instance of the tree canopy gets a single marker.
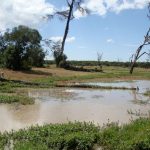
(20, 48)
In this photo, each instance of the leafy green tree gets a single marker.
(2, 48)
(23, 48)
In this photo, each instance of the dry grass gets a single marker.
(110, 73)
(39, 73)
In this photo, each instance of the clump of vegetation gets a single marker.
(133, 136)
(59, 136)
(94, 86)
(6, 89)
(8, 93)
(24, 100)
(82, 136)
(103, 63)
(147, 93)
(138, 113)
(9, 87)
(74, 68)
(20, 48)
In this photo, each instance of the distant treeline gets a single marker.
(104, 63)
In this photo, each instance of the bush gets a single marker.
(22, 49)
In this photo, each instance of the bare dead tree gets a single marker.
(57, 48)
(99, 59)
(138, 53)
(72, 5)
(68, 14)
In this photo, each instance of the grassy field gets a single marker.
(80, 136)
(53, 75)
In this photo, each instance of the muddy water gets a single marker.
(142, 85)
(60, 105)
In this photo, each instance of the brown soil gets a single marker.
(38, 73)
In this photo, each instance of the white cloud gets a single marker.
(60, 38)
(78, 14)
(31, 12)
(101, 7)
(70, 39)
(110, 41)
(24, 12)
(96, 6)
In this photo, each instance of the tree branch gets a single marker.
(68, 3)
(143, 54)
(137, 54)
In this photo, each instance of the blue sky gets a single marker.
(115, 31)
(117, 36)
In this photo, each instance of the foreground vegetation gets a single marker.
(82, 136)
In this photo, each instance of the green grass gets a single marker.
(9, 87)
(109, 73)
(147, 93)
(8, 93)
(59, 136)
(135, 136)
(81, 136)
(24, 100)
(6, 88)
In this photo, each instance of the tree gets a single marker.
(138, 53)
(2, 48)
(68, 14)
(23, 48)
(99, 59)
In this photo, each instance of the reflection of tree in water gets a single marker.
(134, 93)
(138, 98)
(138, 113)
